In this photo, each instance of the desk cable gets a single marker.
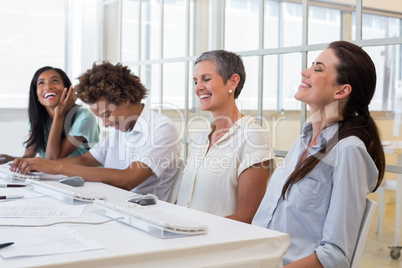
(61, 222)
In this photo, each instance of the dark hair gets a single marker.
(226, 64)
(38, 115)
(355, 68)
(114, 82)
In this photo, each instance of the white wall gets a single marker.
(12, 135)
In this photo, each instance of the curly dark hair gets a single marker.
(114, 82)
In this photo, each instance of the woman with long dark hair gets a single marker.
(319, 196)
(58, 127)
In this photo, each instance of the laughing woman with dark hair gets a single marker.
(58, 127)
(319, 197)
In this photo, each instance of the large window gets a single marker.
(276, 38)
(32, 36)
(58, 33)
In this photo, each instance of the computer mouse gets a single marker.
(72, 181)
(143, 199)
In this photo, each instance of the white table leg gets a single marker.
(398, 207)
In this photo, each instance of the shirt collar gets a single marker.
(242, 122)
(142, 124)
(326, 134)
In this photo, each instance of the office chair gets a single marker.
(364, 229)
(385, 185)
(393, 186)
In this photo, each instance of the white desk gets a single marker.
(228, 244)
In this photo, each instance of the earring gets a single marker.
(230, 91)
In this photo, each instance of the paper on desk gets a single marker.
(12, 210)
(26, 191)
(37, 241)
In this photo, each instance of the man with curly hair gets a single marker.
(138, 155)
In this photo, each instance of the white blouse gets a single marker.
(210, 178)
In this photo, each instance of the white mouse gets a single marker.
(72, 181)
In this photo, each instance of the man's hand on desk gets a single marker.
(25, 165)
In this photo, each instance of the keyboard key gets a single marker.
(5, 169)
(62, 191)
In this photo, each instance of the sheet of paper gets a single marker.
(14, 210)
(37, 241)
(27, 191)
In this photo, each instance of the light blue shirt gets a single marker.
(324, 210)
(85, 125)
